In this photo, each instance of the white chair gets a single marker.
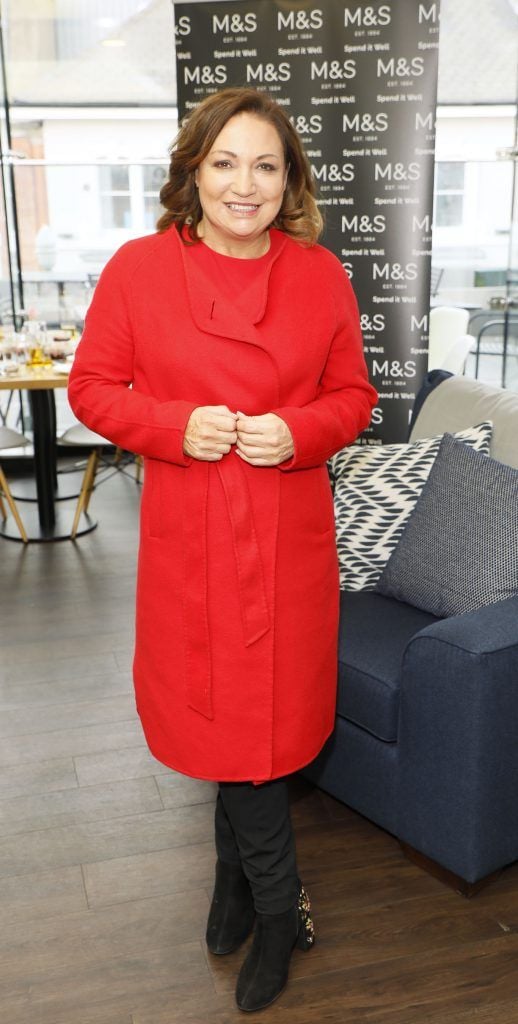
(456, 358)
(81, 436)
(447, 325)
(11, 439)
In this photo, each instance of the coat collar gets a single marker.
(210, 310)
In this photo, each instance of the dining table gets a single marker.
(46, 521)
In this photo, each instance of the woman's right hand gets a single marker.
(210, 432)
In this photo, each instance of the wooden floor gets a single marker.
(107, 857)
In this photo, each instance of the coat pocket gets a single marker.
(164, 500)
(152, 498)
(309, 509)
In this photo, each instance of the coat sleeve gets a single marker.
(345, 399)
(99, 389)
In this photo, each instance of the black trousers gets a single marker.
(253, 828)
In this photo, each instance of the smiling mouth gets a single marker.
(242, 207)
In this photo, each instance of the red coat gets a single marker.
(235, 665)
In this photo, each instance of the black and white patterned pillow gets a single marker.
(459, 549)
(375, 490)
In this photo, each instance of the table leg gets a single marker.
(53, 431)
(43, 421)
(49, 524)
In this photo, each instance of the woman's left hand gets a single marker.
(263, 440)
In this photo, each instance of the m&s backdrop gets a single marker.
(358, 81)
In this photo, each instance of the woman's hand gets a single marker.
(210, 432)
(263, 440)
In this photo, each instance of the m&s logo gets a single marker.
(333, 69)
(205, 75)
(365, 123)
(394, 271)
(269, 72)
(367, 16)
(333, 172)
(234, 23)
(400, 67)
(394, 368)
(300, 20)
(363, 224)
(397, 172)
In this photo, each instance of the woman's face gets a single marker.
(241, 183)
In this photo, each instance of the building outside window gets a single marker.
(115, 195)
(153, 179)
(449, 194)
(129, 196)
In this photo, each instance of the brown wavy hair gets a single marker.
(298, 216)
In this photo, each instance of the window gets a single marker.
(129, 196)
(154, 177)
(449, 195)
(115, 197)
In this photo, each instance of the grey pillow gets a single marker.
(459, 549)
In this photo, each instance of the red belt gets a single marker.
(250, 576)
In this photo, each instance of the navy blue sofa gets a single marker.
(426, 736)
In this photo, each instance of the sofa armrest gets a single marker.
(487, 630)
(458, 736)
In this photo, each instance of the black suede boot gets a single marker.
(231, 914)
(264, 972)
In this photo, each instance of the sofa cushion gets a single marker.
(459, 550)
(375, 490)
(374, 632)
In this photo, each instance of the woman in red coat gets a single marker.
(226, 349)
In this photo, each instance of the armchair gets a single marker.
(426, 736)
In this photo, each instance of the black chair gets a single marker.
(497, 335)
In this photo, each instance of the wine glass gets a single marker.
(36, 335)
